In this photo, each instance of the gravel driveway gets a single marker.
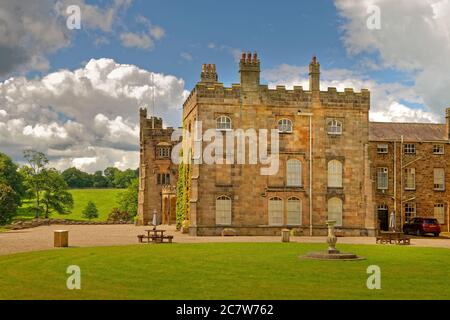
(41, 238)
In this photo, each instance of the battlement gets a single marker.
(279, 95)
(349, 96)
(249, 69)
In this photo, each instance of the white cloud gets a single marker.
(134, 40)
(397, 112)
(145, 39)
(32, 30)
(414, 38)
(186, 56)
(90, 112)
(92, 16)
(157, 32)
(234, 52)
(28, 31)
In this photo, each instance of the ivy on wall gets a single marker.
(183, 194)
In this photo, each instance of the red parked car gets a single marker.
(421, 226)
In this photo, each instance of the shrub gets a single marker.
(117, 215)
(90, 211)
(8, 203)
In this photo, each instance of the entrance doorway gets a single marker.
(383, 217)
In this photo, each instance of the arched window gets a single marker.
(294, 212)
(293, 173)
(334, 174)
(275, 211)
(284, 125)
(223, 210)
(334, 127)
(223, 123)
(335, 210)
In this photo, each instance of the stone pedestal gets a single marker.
(332, 253)
(331, 239)
(61, 238)
(285, 235)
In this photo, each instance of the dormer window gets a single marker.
(284, 126)
(334, 127)
(223, 123)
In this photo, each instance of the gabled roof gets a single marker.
(385, 131)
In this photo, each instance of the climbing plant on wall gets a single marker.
(181, 201)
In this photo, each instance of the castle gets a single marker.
(333, 164)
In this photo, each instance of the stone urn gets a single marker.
(331, 238)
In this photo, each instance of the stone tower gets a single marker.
(321, 132)
(157, 174)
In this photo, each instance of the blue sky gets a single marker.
(74, 94)
(288, 32)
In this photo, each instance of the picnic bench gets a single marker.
(385, 237)
(155, 236)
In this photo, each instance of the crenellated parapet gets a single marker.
(334, 98)
(217, 93)
(213, 92)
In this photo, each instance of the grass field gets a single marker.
(104, 199)
(225, 271)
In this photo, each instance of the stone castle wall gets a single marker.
(256, 106)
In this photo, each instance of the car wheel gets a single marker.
(436, 234)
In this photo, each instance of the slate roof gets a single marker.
(388, 131)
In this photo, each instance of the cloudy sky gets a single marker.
(74, 93)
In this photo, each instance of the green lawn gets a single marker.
(104, 199)
(226, 271)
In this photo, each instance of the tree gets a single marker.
(98, 180)
(76, 178)
(8, 203)
(55, 195)
(35, 175)
(123, 179)
(128, 200)
(110, 174)
(11, 188)
(90, 211)
(10, 176)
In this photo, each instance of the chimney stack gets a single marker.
(209, 74)
(249, 68)
(447, 122)
(314, 75)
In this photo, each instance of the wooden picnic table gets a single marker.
(156, 235)
(392, 236)
(155, 232)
